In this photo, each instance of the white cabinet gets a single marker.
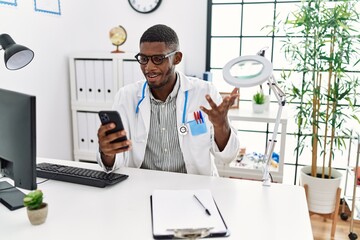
(248, 123)
(94, 81)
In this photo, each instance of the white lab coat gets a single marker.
(197, 150)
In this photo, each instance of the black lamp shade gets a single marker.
(16, 56)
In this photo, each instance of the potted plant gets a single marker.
(321, 44)
(36, 209)
(259, 102)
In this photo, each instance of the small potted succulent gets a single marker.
(259, 102)
(36, 209)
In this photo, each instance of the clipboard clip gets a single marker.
(191, 233)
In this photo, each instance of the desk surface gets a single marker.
(250, 210)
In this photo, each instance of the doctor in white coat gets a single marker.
(172, 122)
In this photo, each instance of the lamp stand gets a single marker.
(280, 96)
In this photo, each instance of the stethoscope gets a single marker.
(183, 129)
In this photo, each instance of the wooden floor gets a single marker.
(322, 228)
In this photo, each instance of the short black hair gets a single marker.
(161, 33)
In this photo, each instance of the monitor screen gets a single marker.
(17, 146)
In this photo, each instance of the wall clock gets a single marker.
(144, 6)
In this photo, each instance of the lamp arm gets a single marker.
(280, 96)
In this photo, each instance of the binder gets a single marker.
(178, 211)
(90, 80)
(132, 72)
(80, 80)
(128, 72)
(109, 81)
(92, 130)
(99, 81)
(137, 73)
(83, 141)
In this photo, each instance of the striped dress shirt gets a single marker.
(163, 149)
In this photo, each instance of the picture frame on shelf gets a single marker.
(237, 100)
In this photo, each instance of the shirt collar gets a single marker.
(173, 93)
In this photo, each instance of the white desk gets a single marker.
(250, 210)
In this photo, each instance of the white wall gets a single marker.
(84, 26)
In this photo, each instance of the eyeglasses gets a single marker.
(156, 59)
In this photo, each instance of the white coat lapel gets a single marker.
(143, 116)
(185, 85)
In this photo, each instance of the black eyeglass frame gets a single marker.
(161, 58)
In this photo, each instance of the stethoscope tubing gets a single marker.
(184, 110)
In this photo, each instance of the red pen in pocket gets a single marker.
(197, 116)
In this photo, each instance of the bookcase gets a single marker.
(95, 78)
(247, 123)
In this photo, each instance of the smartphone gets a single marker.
(112, 117)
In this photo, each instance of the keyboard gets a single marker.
(78, 175)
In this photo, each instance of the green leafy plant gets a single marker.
(322, 44)
(259, 98)
(33, 200)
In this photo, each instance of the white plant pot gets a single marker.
(38, 216)
(260, 108)
(321, 196)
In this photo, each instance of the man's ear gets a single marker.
(177, 58)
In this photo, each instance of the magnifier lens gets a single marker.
(246, 69)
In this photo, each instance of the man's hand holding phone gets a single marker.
(112, 137)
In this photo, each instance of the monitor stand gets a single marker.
(10, 196)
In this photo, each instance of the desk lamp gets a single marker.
(16, 56)
(249, 71)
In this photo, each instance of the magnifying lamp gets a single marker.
(16, 56)
(250, 71)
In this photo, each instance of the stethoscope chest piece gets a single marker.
(183, 130)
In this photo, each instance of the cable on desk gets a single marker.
(43, 181)
(4, 189)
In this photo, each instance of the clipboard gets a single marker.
(176, 213)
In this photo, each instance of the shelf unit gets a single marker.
(352, 200)
(95, 77)
(246, 114)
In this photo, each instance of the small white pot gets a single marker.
(38, 216)
(321, 191)
(260, 108)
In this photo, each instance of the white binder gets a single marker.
(90, 80)
(109, 81)
(131, 72)
(137, 73)
(128, 73)
(92, 130)
(80, 80)
(83, 140)
(99, 81)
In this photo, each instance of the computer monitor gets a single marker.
(17, 146)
